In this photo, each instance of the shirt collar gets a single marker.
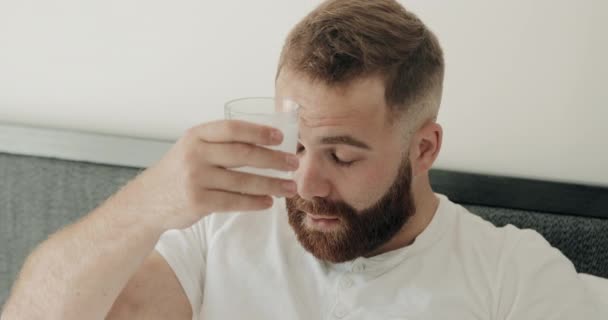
(388, 260)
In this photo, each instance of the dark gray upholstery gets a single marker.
(39, 196)
(583, 240)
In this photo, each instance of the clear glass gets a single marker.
(278, 113)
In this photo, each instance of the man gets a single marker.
(359, 234)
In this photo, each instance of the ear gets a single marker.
(424, 147)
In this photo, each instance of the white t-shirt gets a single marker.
(251, 266)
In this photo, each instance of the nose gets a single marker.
(310, 179)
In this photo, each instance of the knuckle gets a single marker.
(231, 127)
(194, 196)
(271, 159)
(243, 181)
(192, 174)
(245, 151)
(277, 186)
(225, 203)
(190, 156)
(190, 183)
(280, 160)
(181, 144)
(190, 133)
(270, 185)
(263, 185)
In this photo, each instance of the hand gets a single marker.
(193, 179)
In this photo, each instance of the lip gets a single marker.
(321, 218)
(322, 223)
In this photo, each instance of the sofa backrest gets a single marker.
(572, 217)
(38, 196)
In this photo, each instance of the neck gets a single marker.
(426, 205)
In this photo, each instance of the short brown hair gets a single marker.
(345, 39)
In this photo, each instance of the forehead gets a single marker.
(360, 103)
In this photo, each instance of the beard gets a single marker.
(359, 232)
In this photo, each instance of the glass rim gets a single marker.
(229, 106)
(248, 98)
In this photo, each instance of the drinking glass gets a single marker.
(278, 113)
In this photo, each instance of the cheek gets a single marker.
(366, 187)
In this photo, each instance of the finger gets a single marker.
(238, 131)
(248, 183)
(222, 201)
(232, 155)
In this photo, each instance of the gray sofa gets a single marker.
(40, 195)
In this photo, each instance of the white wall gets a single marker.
(525, 87)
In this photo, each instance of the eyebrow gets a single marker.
(345, 139)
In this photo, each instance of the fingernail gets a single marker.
(289, 186)
(276, 136)
(292, 162)
(268, 202)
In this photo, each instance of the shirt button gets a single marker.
(346, 283)
(360, 267)
(340, 311)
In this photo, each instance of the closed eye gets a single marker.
(340, 162)
(333, 156)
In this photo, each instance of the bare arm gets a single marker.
(152, 293)
(79, 272)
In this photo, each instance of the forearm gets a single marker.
(78, 272)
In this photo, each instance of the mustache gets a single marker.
(321, 206)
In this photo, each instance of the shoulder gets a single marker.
(535, 280)
(469, 229)
(493, 249)
(505, 245)
(530, 279)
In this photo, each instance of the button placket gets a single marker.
(346, 282)
(340, 311)
(358, 267)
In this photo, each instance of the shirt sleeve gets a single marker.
(538, 282)
(185, 251)
(598, 287)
